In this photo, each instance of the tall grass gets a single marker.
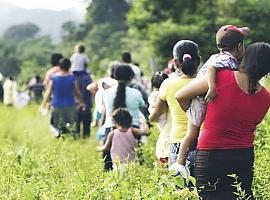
(34, 165)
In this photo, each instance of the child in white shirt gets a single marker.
(164, 121)
(79, 60)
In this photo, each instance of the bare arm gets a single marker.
(195, 88)
(93, 87)
(211, 74)
(191, 135)
(160, 108)
(108, 143)
(144, 130)
(47, 95)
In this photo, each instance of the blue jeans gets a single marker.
(84, 117)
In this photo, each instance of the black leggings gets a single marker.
(212, 168)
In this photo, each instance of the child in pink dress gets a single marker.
(122, 141)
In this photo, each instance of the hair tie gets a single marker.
(186, 56)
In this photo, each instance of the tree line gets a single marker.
(146, 28)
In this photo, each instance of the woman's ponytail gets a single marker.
(122, 73)
(120, 97)
(186, 53)
(189, 66)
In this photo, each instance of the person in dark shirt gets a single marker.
(36, 89)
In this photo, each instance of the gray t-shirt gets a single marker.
(78, 62)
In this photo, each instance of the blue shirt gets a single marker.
(63, 91)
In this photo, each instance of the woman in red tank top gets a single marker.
(225, 144)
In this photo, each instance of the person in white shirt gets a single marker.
(10, 91)
(79, 60)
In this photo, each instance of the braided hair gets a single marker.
(256, 63)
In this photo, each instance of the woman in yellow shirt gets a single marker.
(187, 59)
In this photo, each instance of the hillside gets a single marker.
(11, 15)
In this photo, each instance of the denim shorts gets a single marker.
(196, 111)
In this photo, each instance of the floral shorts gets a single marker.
(196, 111)
(173, 154)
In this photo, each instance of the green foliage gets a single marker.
(261, 182)
(30, 69)
(34, 165)
(163, 24)
(10, 63)
(253, 13)
(37, 50)
(18, 33)
(146, 28)
(47, 168)
(108, 12)
(164, 41)
(103, 33)
(70, 31)
(10, 66)
(241, 194)
(28, 56)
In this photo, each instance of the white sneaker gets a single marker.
(183, 170)
(55, 131)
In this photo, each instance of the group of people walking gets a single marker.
(225, 95)
(119, 100)
(66, 94)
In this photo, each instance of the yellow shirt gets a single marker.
(179, 118)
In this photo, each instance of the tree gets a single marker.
(18, 33)
(111, 12)
(10, 66)
(256, 15)
(163, 24)
(68, 30)
(10, 63)
(105, 29)
(37, 50)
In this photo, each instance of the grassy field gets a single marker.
(34, 165)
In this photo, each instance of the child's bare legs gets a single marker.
(191, 135)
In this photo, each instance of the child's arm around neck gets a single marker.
(211, 78)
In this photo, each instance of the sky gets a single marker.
(49, 4)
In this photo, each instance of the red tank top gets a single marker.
(231, 119)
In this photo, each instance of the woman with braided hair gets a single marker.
(225, 144)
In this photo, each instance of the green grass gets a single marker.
(34, 165)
